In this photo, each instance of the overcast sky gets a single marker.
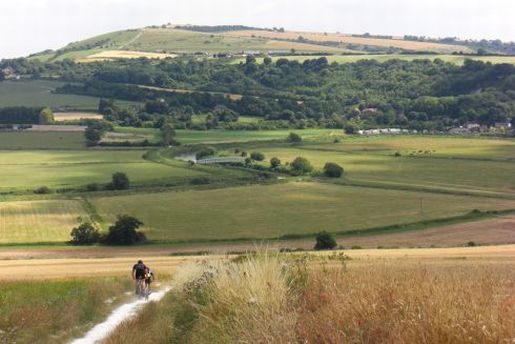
(28, 26)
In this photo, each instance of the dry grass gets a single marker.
(123, 54)
(75, 116)
(347, 39)
(409, 303)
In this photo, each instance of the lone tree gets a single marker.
(120, 181)
(84, 234)
(167, 133)
(46, 116)
(333, 170)
(124, 231)
(325, 241)
(294, 138)
(275, 162)
(257, 156)
(301, 166)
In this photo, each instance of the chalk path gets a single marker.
(120, 314)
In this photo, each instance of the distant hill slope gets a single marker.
(204, 40)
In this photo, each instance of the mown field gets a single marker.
(275, 210)
(27, 170)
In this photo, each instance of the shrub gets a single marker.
(200, 181)
(301, 165)
(43, 190)
(325, 241)
(333, 170)
(124, 231)
(294, 138)
(472, 244)
(84, 234)
(120, 181)
(397, 154)
(275, 162)
(205, 152)
(257, 156)
(93, 187)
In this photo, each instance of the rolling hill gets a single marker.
(169, 41)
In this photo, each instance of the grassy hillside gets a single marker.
(41, 140)
(141, 42)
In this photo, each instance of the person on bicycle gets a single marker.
(149, 278)
(138, 274)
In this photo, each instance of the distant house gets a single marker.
(459, 131)
(473, 126)
(9, 73)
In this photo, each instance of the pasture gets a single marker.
(27, 170)
(271, 211)
(40, 93)
(123, 54)
(446, 170)
(32, 140)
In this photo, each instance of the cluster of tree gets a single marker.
(95, 130)
(420, 94)
(119, 181)
(493, 45)
(123, 232)
(26, 115)
(216, 28)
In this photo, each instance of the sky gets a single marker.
(28, 26)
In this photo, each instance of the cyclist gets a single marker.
(138, 274)
(149, 278)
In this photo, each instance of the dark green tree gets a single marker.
(325, 241)
(167, 134)
(120, 181)
(333, 170)
(84, 234)
(301, 166)
(275, 162)
(124, 231)
(294, 138)
(257, 156)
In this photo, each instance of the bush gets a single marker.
(43, 190)
(325, 241)
(124, 232)
(275, 162)
(84, 234)
(120, 181)
(200, 181)
(294, 138)
(333, 170)
(301, 166)
(472, 244)
(397, 154)
(257, 156)
(205, 152)
(93, 187)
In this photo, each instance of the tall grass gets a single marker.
(268, 298)
(52, 311)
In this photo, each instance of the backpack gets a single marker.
(140, 270)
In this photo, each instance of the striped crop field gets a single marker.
(38, 221)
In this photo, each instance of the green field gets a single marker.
(224, 136)
(27, 170)
(376, 163)
(275, 210)
(456, 59)
(38, 221)
(41, 140)
(39, 93)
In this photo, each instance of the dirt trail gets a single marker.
(119, 315)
